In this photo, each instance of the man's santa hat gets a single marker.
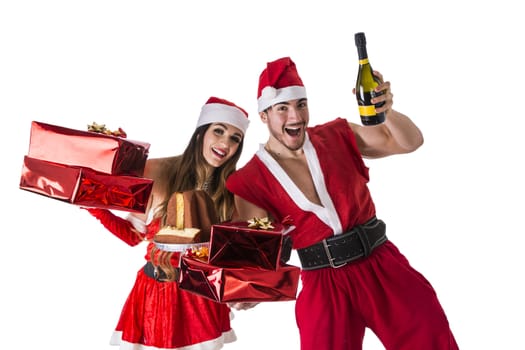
(218, 110)
(279, 82)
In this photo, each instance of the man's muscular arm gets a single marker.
(245, 210)
(397, 135)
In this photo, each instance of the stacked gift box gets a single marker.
(244, 264)
(86, 168)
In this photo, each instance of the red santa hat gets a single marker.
(218, 110)
(279, 82)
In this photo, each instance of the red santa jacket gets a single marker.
(340, 177)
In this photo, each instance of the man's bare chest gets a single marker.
(298, 171)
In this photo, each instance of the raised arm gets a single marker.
(397, 135)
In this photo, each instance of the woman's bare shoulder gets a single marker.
(155, 167)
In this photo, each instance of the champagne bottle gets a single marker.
(365, 85)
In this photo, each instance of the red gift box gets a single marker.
(105, 153)
(236, 284)
(84, 186)
(235, 244)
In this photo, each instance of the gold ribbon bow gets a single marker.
(260, 223)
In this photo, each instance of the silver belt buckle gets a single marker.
(329, 255)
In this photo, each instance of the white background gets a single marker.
(454, 207)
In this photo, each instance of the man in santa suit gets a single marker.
(352, 276)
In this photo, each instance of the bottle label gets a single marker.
(363, 61)
(367, 111)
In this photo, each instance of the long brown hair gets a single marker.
(188, 172)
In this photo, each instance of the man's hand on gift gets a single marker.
(242, 305)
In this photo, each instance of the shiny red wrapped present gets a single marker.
(249, 244)
(105, 153)
(235, 284)
(84, 186)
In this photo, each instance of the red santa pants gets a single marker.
(383, 293)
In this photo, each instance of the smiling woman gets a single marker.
(220, 140)
(211, 155)
(157, 313)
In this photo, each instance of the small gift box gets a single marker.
(237, 284)
(105, 153)
(257, 243)
(84, 186)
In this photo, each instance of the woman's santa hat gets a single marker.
(279, 82)
(218, 110)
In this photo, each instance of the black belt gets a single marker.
(157, 273)
(339, 250)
